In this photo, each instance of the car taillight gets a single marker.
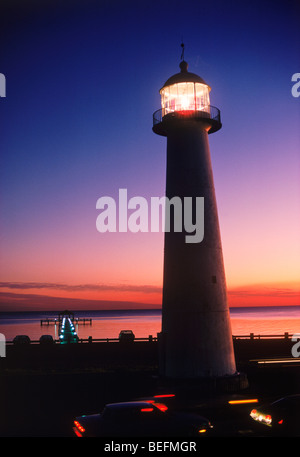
(77, 432)
(147, 410)
(260, 417)
(79, 426)
(161, 406)
(268, 419)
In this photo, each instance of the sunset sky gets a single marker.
(82, 83)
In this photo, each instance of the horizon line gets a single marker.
(129, 309)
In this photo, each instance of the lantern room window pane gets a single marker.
(165, 99)
(202, 97)
(173, 97)
(185, 99)
(186, 96)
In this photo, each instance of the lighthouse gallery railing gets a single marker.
(209, 112)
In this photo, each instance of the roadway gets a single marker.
(44, 403)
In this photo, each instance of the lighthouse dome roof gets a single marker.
(184, 76)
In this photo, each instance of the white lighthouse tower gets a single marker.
(196, 339)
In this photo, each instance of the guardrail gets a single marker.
(210, 112)
(251, 336)
(85, 340)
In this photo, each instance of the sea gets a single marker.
(264, 321)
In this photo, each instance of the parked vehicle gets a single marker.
(46, 339)
(126, 336)
(21, 340)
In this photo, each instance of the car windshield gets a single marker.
(288, 404)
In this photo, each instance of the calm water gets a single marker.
(107, 324)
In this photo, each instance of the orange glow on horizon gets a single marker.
(277, 294)
(39, 296)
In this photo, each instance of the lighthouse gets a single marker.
(196, 339)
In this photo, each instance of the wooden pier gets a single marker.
(57, 321)
(66, 314)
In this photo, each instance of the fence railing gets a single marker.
(251, 336)
(85, 340)
(209, 112)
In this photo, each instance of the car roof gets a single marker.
(129, 404)
(288, 398)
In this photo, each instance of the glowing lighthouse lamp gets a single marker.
(186, 97)
(196, 339)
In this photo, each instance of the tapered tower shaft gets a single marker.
(195, 317)
(196, 339)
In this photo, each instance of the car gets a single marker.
(21, 340)
(280, 417)
(126, 336)
(140, 419)
(46, 339)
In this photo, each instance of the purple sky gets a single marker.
(83, 80)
